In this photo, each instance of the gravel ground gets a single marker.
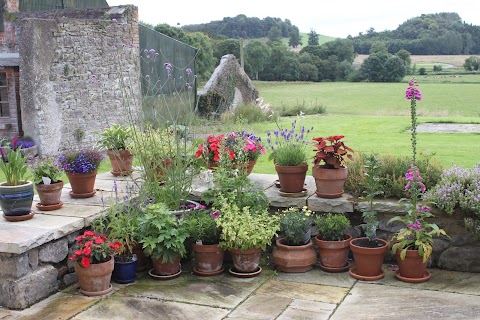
(448, 128)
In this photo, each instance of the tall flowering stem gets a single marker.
(413, 94)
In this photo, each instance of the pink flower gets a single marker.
(215, 214)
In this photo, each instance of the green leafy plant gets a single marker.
(94, 248)
(14, 166)
(117, 137)
(45, 168)
(331, 227)
(243, 229)
(373, 188)
(161, 234)
(201, 226)
(295, 225)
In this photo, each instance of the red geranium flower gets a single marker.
(85, 262)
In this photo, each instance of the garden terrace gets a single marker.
(33, 253)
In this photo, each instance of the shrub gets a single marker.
(302, 108)
(437, 68)
(331, 227)
(248, 113)
(422, 71)
(392, 173)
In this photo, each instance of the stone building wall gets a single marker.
(76, 66)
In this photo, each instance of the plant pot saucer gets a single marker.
(82, 195)
(19, 218)
(96, 293)
(239, 274)
(427, 275)
(204, 273)
(293, 194)
(166, 277)
(329, 195)
(121, 173)
(49, 207)
(277, 183)
(354, 274)
(335, 269)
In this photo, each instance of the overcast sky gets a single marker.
(332, 18)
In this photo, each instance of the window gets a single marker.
(4, 108)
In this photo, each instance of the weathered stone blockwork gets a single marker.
(74, 65)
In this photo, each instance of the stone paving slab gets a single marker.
(18, 237)
(307, 310)
(318, 276)
(146, 309)
(136, 175)
(7, 314)
(373, 301)
(261, 307)
(441, 280)
(222, 291)
(304, 291)
(70, 210)
(276, 200)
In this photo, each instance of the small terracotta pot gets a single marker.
(49, 194)
(95, 280)
(292, 178)
(166, 268)
(368, 261)
(208, 258)
(329, 182)
(246, 261)
(412, 267)
(159, 170)
(82, 183)
(333, 254)
(294, 258)
(121, 161)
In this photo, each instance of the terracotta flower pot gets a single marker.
(292, 178)
(95, 280)
(158, 170)
(49, 194)
(333, 254)
(121, 161)
(246, 261)
(208, 258)
(368, 260)
(329, 182)
(166, 268)
(142, 263)
(412, 268)
(294, 258)
(82, 184)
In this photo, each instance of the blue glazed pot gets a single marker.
(16, 200)
(125, 272)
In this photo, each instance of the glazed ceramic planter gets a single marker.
(246, 261)
(329, 182)
(333, 254)
(368, 260)
(95, 280)
(16, 201)
(294, 258)
(292, 178)
(121, 161)
(208, 259)
(125, 271)
(82, 184)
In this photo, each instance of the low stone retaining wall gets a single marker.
(34, 254)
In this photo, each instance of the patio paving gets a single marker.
(271, 295)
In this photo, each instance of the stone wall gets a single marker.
(76, 68)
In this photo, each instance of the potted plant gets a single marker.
(247, 148)
(368, 252)
(163, 238)
(329, 169)
(94, 263)
(211, 148)
(16, 194)
(294, 250)
(332, 242)
(46, 176)
(25, 143)
(116, 140)
(289, 153)
(413, 244)
(245, 234)
(81, 170)
(205, 235)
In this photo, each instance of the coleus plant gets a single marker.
(331, 152)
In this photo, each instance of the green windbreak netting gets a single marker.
(44, 5)
(168, 75)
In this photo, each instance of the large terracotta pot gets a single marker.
(329, 182)
(368, 261)
(49, 194)
(208, 258)
(246, 261)
(142, 262)
(16, 201)
(158, 170)
(82, 184)
(249, 166)
(294, 258)
(412, 268)
(292, 178)
(333, 254)
(121, 161)
(95, 280)
(166, 268)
